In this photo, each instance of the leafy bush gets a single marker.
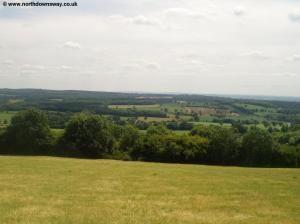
(204, 131)
(258, 147)
(158, 130)
(223, 147)
(28, 133)
(170, 148)
(128, 138)
(287, 156)
(91, 134)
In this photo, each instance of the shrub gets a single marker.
(204, 131)
(91, 134)
(170, 148)
(258, 147)
(287, 156)
(193, 148)
(149, 148)
(128, 138)
(158, 130)
(223, 147)
(28, 133)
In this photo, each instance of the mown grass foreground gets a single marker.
(59, 190)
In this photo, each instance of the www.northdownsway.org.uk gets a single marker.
(39, 4)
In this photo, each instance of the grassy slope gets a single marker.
(6, 115)
(58, 190)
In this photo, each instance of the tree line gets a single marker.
(93, 136)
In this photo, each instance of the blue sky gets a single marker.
(191, 46)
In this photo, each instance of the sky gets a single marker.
(246, 47)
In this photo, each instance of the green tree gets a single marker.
(149, 147)
(128, 138)
(258, 147)
(28, 132)
(204, 131)
(184, 125)
(242, 129)
(193, 148)
(158, 130)
(91, 134)
(223, 146)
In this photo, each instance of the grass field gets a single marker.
(157, 119)
(5, 118)
(173, 107)
(56, 132)
(58, 190)
(257, 107)
(212, 123)
(7, 115)
(151, 107)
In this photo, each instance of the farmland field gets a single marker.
(155, 107)
(57, 132)
(6, 116)
(211, 123)
(157, 119)
(58, 190)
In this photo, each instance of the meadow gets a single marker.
(60, 190)
(155, 107)
(6, 115)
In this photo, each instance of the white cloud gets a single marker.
(139, 64)
(72, 45)
(295, 17)
(137, 20)
(191, 56)
(27, 72)
(143, 20)
(184, 13)
(195, 62)
(286, 74)
(239, 11)
(28, 69)
(65, 68)
(8, 62)
(152, 66)
(33, 67)
(89, 72)
(254, 55)
(295, 57)
(130, 67)
(116, 17)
